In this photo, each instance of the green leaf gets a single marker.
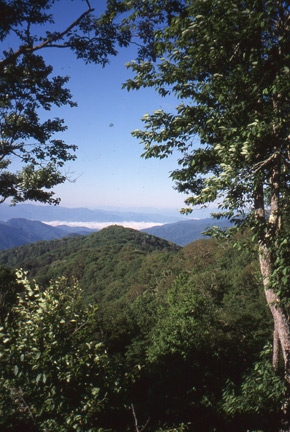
(38, 378)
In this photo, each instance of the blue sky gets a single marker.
(109, 170)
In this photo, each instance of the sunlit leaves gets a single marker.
(52, 364)
(221, 59)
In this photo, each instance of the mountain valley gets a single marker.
(167, 318)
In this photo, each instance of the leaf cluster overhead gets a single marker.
(31, 153)
(228, 63)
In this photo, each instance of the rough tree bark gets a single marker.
(275, 358)
(281, 332)
(281, 322)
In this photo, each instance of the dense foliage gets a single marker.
(54, 370)
(104, 262)
(182, 339)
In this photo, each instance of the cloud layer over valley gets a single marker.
(101, 225)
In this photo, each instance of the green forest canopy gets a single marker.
(182, 329)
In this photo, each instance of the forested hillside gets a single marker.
(105, 261)
(184, 333)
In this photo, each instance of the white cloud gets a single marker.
(101, 225)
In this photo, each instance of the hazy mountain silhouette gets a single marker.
(185, 232)
(20, 231)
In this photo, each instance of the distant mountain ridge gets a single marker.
(20, 231)
(185, 232)
(79, 214)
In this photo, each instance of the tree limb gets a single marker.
(261, 164)
(80, 327)
(45, 44)
(136, 421)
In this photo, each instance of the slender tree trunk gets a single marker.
(281, 332)
(281, 322)
(275, 358)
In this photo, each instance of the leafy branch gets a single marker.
(48, 43)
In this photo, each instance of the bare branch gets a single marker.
(143, 427)
(18, 34)
(265, 162)
(17, 396)
(65, 45)
(136, 421)
(28, 408)
(237, 47)
(80, 327)
(135, 418)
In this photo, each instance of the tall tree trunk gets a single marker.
(281, 332)
(267, 247)
(281, 322)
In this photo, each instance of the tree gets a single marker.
(229, 63)
(27, 87)
(55, 373)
